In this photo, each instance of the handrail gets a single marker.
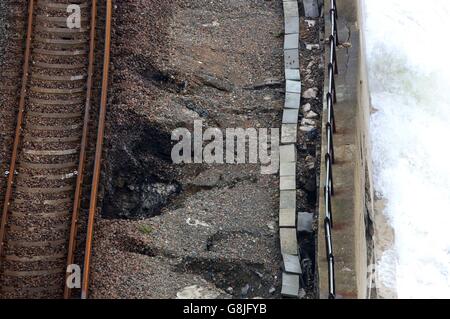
(329, 156)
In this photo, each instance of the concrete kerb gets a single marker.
(288, 157)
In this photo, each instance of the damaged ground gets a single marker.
(198, 230)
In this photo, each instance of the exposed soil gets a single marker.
(309, 141)
(210, 228)
(173, 63)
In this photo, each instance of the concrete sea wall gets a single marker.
(353, 199)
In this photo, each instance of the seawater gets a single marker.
(408, 54)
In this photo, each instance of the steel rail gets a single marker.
(98, 153)
(84, 142)
(330, 156)
(18, 130)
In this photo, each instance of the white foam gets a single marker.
(408, 51)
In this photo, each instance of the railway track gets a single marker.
(45, 180)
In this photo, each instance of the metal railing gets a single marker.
(329, 156)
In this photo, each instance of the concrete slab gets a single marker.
(290, 8)
(290, 116)
(287, 183)
(289, 133)
(290, 285)
(292, 74)
(291, 41)
(293, 86)
(292, 100)
(291, 59)
(287, 169)
(311, 8)
(287, 218)
(287, 153)
(291, 25)
(292, 264)
(288, 241)
(305, 222)
(288, 199)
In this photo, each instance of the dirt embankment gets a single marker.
(191, 230)
(197, 230)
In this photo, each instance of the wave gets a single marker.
(409, 74)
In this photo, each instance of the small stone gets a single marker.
(272, 290)
(306, 128)
(245, 289)
(230, 290)
(306, 107)
(311, 115)
(310, 162)
(310, 93)
(311, 23)
(312, 46)
(271, 226)
(308, 122)
(301, 293)
(197, 292)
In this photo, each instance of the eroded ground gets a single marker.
(198, 230)
(210, 226)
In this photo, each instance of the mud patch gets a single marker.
(139, 180)
(238, 278)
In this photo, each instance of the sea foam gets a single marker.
(408, 54)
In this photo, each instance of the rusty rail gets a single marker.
(98, 153)
(84, 141)
(20, 116)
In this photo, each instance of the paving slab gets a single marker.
(290, 285)
(292, 74)
(289, 133)
(287, 217)
(287, 183)
(288, 199)
(291, 25)
(292, 100)
(293, 86)
(290, 8)
(311, 8)
(288, 241)
(290, 116)
(291, 41)
(287, 169)
(292, 264)
(305, 222)
(287, 153)
(291, 59)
